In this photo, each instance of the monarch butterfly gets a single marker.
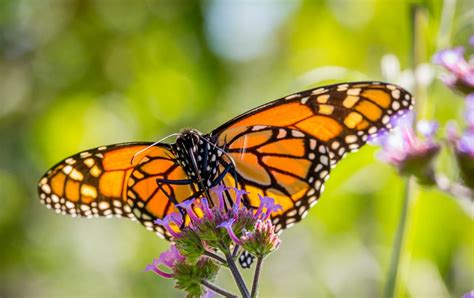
(283, 149)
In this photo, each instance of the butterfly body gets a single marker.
(284, 149)
(198, 156)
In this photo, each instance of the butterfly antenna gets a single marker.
(221, 150)
(155, 143)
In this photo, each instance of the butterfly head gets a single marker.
(188, 140)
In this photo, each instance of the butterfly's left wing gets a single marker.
(285, 149)
(133, 180)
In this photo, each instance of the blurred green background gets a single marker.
(79, 74)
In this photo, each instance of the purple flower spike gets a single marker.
(460, 71)
(228, 226)
(165, 222)
(205, 208)
(260, 207)
(451, 59)
(271, 209)
(466, 144)
(168, 258)
(239, 193)
(270, 206)
(171, 256)
(154, 268)
(176, 218)
(409, 153)
(219, 191)
(188, 206)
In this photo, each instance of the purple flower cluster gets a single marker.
(461, 70)
(409, 153)
(207, 223)
(207, 226)
(461, 79)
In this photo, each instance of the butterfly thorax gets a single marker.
(197, 155)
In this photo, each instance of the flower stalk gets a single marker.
(217, 289)
(397, 248)
(256, 277)
(237, 276)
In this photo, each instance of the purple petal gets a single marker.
(205, 208)
(427, 128)
(165, 222)
(269, 205)
(469, 76)
(219, 191)
(154, 268)
(469, 295)
(451, 59)
(228, 226)
(260, 207)
(238, 199)
(170, 257)
(466, 143)
(188, 206)
(175, 217)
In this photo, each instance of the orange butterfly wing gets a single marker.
(284, 149)
(118, 180)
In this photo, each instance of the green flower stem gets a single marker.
(215, 257)
(395, 260)
(217, 289)
(256, 277)
(237, 276)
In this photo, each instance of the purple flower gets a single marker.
(219, 191)
(460, 71)
(228, 226)
(188, 206)
(239, 193)
(269, 205)
(410, 154)
(168, 258)
(166, 222)
(469, 295)
(206, 209)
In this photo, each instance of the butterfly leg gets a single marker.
(227, 168)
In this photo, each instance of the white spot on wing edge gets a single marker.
(296, 95)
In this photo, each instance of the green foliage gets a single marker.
(188, 277)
